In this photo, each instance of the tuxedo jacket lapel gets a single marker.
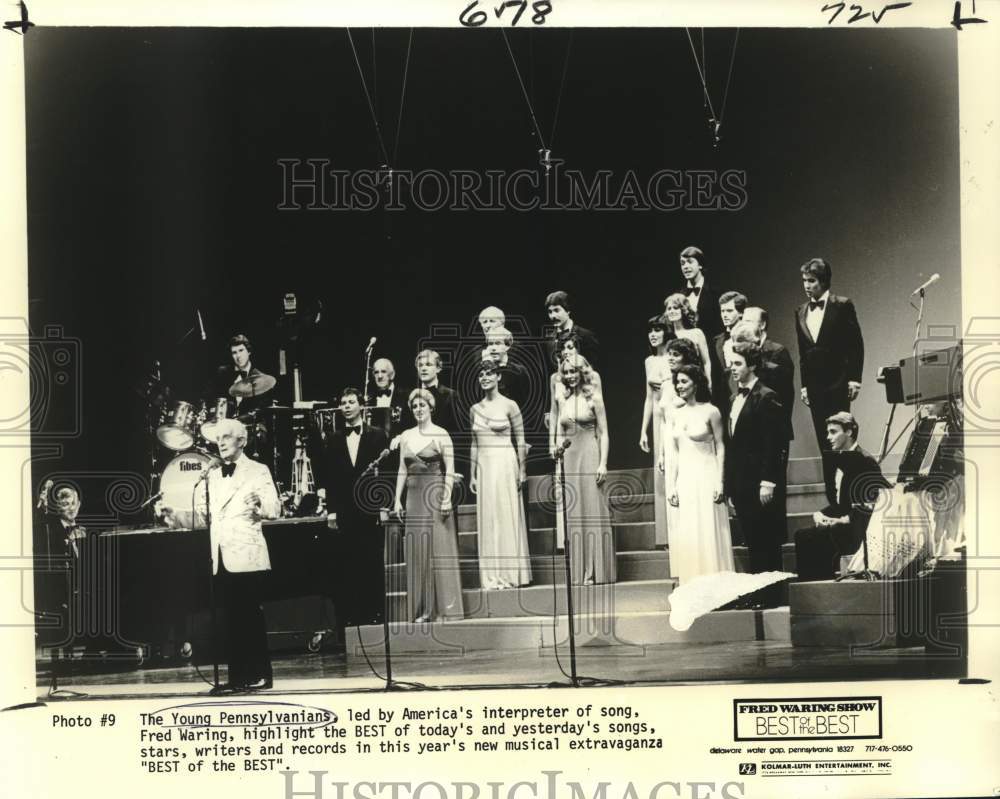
(829, 317)
(803, 313)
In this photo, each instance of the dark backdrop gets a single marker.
(154, 185)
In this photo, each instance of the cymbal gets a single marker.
(252, 386)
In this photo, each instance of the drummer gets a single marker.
(246, 384)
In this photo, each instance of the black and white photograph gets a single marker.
(503, 351)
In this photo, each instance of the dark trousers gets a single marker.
(246, 631)
(818, 550)
(822, 407)
(360, 593)
(763, 532)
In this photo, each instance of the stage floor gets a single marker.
(753, 661)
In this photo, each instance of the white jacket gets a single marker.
(239, 538)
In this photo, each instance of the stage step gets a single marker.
(617, 631)
(538, 600)
(626, 507)
(635, 565)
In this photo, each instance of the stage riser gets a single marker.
(634, 565)
(801, 500)
(801, 471)
(629, 597)
(615, 633)
(630, 537)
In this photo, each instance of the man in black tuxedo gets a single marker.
(831, 354)
(389, 394)
(702, 298)
(428, 366)
(753, 468)
(840, 526)
(557, 306)
(360, 565)
(731, 306)
(777, 370)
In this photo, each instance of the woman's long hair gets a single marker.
(697, 376)
(689, 316)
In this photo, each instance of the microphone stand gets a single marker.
(576, 681)
(368, 371)
(211, 583)
(561, 462)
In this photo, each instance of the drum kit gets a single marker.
(279, 436)
(189, 432)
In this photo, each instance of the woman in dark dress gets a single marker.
(426, 475)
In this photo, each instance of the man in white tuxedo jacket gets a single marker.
(241, 494)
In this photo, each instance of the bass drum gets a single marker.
(177, 486)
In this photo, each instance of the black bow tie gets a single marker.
(228, 469)
(354, 430)
(383, 392)
(696, 290)
(817, 304)
(743, 391)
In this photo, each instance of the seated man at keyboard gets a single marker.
(840, 527)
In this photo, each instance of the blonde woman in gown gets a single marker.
(580, 419)
(657, 375)
(682, 318)
(567, 348)
(426, 475)
(498, 474)
(701, 543)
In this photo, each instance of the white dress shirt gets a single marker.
(814, 316)
(353, 442)
(697, 283)
(738, 402)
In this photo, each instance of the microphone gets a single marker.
(208, 471)
(561, 449)
(927, 284)
(374, 464)
(371, 344)
(201, 325)
(151, 500)
(43, 497)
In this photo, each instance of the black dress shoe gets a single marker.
(263, 684)
(222, 690)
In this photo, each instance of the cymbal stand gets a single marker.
(302, 474)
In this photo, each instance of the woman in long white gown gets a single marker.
(680, 352)
(701, 542)
(497, 478)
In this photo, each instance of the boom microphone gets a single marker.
(371, 467)
(930, 282)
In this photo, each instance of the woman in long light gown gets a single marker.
(657, 373)
(498, 474)
(701, 542)
(580, 419)
(427, 475)
(679, 352)
(683, 318)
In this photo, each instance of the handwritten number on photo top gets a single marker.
(473, 20)
(473, 17)
(957, 20)
(859, 13)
